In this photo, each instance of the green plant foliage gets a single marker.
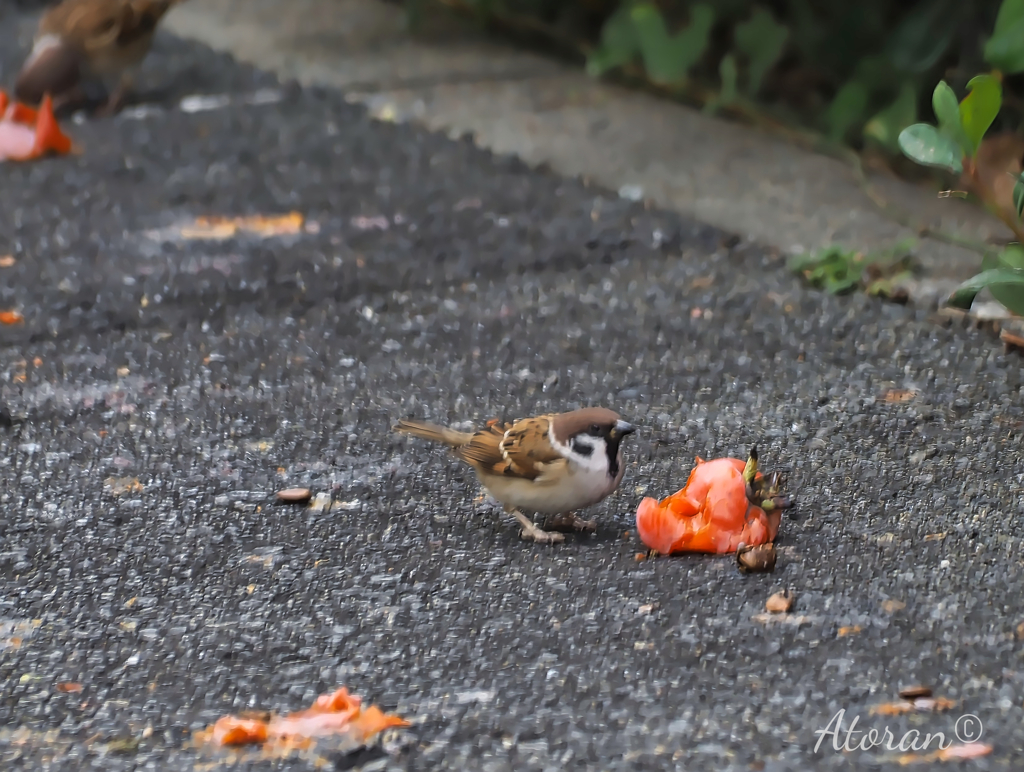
(924, 144)
(947, 111)
(918, 43)
(837, 269)
(668, 58)
(846, 110)
(1005, 49)
(762, 40)
(619, 43)
(1018, 195)
(1003, 276)
(885, 127)
(834, 269)
(980, 107)
(729, 74)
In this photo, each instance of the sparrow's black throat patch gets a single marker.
(612, 447)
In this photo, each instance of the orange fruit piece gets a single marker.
(710, 514)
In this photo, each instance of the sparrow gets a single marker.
(550, 464)
(81, 40)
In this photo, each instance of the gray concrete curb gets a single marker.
(449, 78)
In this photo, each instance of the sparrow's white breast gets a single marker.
(567, 486)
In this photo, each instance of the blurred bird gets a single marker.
(550, 464)
(82, 40)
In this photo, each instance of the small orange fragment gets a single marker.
(11, 317)
(965, 751)
(6, 261)
(331, 714)
(899, 395)
(68, 687)
(26, 133)
(230, 730)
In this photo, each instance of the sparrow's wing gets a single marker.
(93, 25)
(86, 24)
(519, 449)
(141, 19)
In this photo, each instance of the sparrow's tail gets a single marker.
(434, 433)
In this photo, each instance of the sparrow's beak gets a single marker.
(621, 429)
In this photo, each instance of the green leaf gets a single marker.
(619, 43)
(1006, 285)
(1011, 12)
(762, 40)
(1005, 49)
(669, 58)
(1011, 257)
(947, 110)
(980, 107)
(727, 95)
(1018, 196)
(921, 39)
(875, 71)
(728, 73)
(886, 126)
(847, 108)
(923, 143)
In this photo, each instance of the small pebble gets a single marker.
(779, 602)
(915, 692)
(294, 495)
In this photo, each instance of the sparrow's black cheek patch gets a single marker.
(581, 449)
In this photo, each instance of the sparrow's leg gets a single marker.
(69, 100)
(117, 98)
(570, 522)
(533, 533)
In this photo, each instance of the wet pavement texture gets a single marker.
(165, 388)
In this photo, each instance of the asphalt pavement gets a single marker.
(164, 388)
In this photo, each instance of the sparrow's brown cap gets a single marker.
(569, 425)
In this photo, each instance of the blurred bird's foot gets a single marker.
(68, 101)
(113, 104)
(569, 523)
(532, 533)
(116, 100)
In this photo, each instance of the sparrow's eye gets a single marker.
(595, 429)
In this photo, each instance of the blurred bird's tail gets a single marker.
(433, 432)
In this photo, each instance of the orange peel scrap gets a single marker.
(216, 228)
(954, 752)
(27, 133)
(334, 714)
(712, 513)
(919, 704)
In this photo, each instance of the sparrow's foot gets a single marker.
(69, 101)
(532, 533)
(116, 100)
(569, 523)
(112, 106)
